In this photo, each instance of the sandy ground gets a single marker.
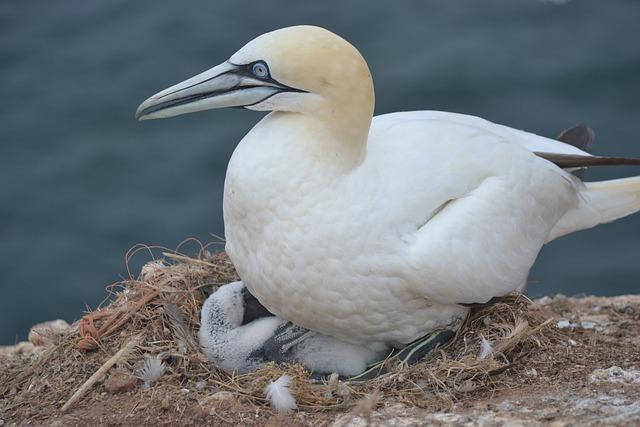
(590, 376)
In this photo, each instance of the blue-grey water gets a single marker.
(81, 181)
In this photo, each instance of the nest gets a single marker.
(156, 314)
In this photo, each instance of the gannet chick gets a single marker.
(238, 341)
(379, 231)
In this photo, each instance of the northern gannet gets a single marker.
(363, 233)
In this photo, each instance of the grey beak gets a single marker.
(226, 85)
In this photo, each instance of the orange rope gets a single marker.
(115, 319)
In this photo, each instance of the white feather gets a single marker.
(152, 370)
(333, 218)
(280, 396)
(150, 269)
(485, 349)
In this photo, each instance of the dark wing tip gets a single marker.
(580, 136)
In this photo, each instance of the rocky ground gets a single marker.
(589, 376)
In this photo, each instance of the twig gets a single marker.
(122, 353)
(188, 259)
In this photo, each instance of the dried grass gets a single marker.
(165, 326)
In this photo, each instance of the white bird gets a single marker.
(376, 231)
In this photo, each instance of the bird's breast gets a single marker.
(311, 251)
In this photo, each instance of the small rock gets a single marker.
(505, 406)
(618, 401)
(223, 395)
(624, 309)
(201, 385)
(44, 333)
(572, 343)
(560, 298)
(595, 321)
(216, 397)
(120, 380)
(23, 347)
(588, 325)
(214, 402)
(544, 300)
(531, 373)
(447, 418)
(199, 412)
(615, 374)
(563, 323)
(348, 420)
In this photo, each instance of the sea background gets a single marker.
(81, 181)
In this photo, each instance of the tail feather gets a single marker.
(600, 202)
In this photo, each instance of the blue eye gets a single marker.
(259, 69)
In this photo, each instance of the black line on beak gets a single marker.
(242, 70)
(198, 83)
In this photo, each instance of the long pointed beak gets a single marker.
(226, 85)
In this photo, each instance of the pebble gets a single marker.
(588, 325)
(220, 395)
(23, 347)
(43, 334)
(624, 309)
(615, 374)
(120, 380)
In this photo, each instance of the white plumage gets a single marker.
(486, 350)
(152, 370)
(444, 209)
(279, 394)
(375, 231)
(224, 339)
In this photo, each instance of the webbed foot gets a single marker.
(411, 354)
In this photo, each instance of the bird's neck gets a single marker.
(335, 129)
(325, 140)
(343, 135)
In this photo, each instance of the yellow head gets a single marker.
(302, 69)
